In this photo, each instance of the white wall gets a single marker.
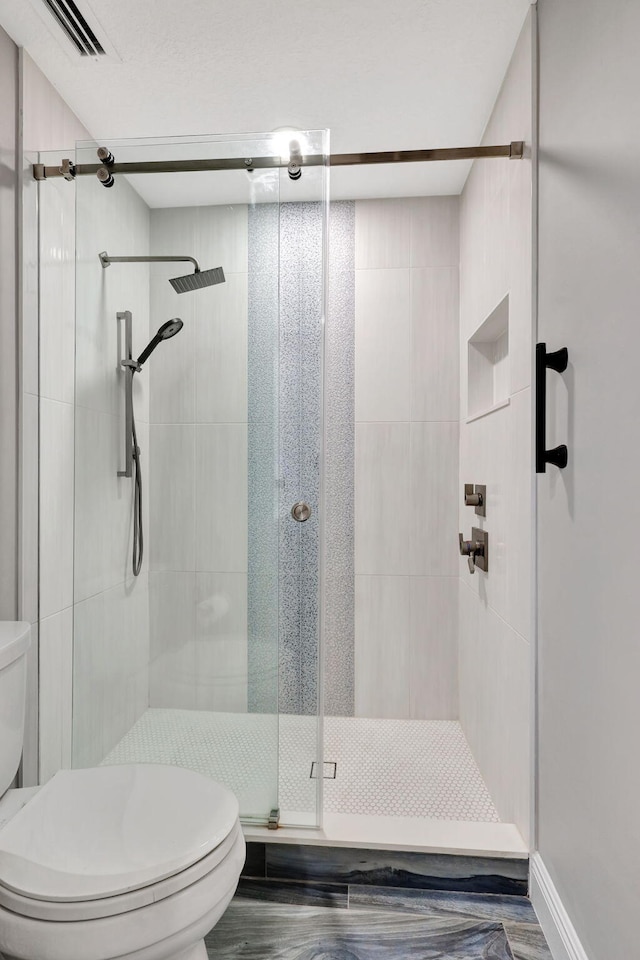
(406, 409)
(495, 608)
(589, 515)
(198, 496)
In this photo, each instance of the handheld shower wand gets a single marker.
(131, 367)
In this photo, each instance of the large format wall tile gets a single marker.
(382, 656)
(56, 506)
(215, 235)
(433, 499)
(57, 305)
(435, 323)
(221, 497)
(495, 704)
(111, 668)
(383, 234)
(172, 515)
(56, 672)
(434, 231)
(221, 641)
(433, 659)
(496, 228)
(169, 372)
(173, 668)
(383, 345)
(383, 492)
(221, 352)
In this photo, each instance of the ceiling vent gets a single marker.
(77, 29)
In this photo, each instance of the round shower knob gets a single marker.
(301, 511)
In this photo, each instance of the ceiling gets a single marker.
(380, 75)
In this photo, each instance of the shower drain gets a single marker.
(328, 773)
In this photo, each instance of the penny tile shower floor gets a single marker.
(401, 768)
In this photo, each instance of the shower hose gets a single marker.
(138, 532)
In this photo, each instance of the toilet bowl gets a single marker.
(136, 862)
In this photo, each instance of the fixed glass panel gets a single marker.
(189, 568)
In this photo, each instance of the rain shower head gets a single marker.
(167, 330)
(192, 281)
(198, 279)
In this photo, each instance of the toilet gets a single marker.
(137, 861)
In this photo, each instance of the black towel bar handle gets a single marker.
(557, 361)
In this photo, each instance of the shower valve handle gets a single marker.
(475, 550)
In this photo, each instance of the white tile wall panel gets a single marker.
(173, 671)
(221, 641)
(383, 234)
(435, 323)
(496, 251)
(433, 660)
(172, 511)
(383, 345)
(434, 231)
(221, 352)
(434, 498)
(382, 647)
(383, 513)
(221, 497)
(56, 672)
(56, 506)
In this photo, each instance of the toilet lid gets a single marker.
(96, 833)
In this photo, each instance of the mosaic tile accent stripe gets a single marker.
(339, 586)
(285, 422)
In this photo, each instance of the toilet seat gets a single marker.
(158, 931)
(70, 911)
(103, 841)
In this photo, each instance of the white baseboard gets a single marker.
(561, 935)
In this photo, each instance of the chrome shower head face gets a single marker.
(166, 331)
(198, 280)
(170, 328)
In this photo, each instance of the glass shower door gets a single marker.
(193, 660)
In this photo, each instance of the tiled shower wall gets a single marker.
(116, 674)
(198, 466)
(285, 398)
(495, 609)
(406, 473)
(111, 609)
(391, 381)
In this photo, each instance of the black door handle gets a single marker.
(557, 361)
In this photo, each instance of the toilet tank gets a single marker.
(15, 638)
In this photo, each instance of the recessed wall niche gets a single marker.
(488, 364)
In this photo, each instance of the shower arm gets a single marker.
(106, 260)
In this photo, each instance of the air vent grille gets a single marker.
(76, 27)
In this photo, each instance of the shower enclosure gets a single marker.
(209, 658)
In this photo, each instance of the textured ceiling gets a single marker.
(380, 75)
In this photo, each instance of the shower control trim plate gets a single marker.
(476, 549)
